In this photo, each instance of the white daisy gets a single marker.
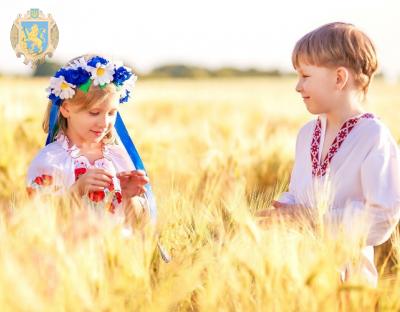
(123, 93)
(102, 74)
(130, 83)
(128, 86)
(61, 88)
(78, 63)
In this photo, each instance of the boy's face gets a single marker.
(317, 86)
(91, 125)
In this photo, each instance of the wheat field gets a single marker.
(216, 150)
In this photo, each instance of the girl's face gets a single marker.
(317, 86)
(90, 125)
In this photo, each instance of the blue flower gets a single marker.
(77, 76)
(60, 72)
(73, 76)
(121, 74)
(125, 98)
(97, 59)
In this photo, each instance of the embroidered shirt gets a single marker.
(361, 181)
(58, 165)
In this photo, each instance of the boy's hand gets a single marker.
(94, 179)
(288, 207)
(286, 211)
(133, 183)
(279, 209)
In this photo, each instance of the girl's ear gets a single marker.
(65, 109)
(342, 77)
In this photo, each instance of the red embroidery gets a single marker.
(38, 180)
(79, 172)
(319, 170)
(118, 196)
(31, 191)
(44, 180)
(111, 187)
(96, 196)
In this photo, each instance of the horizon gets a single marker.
(251, 34)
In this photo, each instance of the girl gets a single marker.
(83, 153)
(346, 157)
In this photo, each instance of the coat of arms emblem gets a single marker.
(34, 36)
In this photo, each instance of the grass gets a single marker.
(216, 151)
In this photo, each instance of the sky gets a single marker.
(211, 33)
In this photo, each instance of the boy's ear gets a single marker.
(65, 109)
(342, 77)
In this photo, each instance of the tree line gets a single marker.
(176, 71)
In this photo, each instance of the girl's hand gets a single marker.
(133, 183)
(94, 179)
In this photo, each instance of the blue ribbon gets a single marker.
(55, 108)
(137, 161)
(126, 141)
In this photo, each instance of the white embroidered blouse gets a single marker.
(359, 178)
(58, 165)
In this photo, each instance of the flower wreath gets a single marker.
(82, 74)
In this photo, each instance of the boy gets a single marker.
(348, 152)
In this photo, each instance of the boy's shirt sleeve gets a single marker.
(289, 197)
(376, 217)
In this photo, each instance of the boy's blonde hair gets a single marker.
(339, 44)
(83, 101)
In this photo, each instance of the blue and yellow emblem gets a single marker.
(34, 36)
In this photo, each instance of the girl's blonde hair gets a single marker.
(83, 101)
(339, 44)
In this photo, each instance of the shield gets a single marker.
(34, 36)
